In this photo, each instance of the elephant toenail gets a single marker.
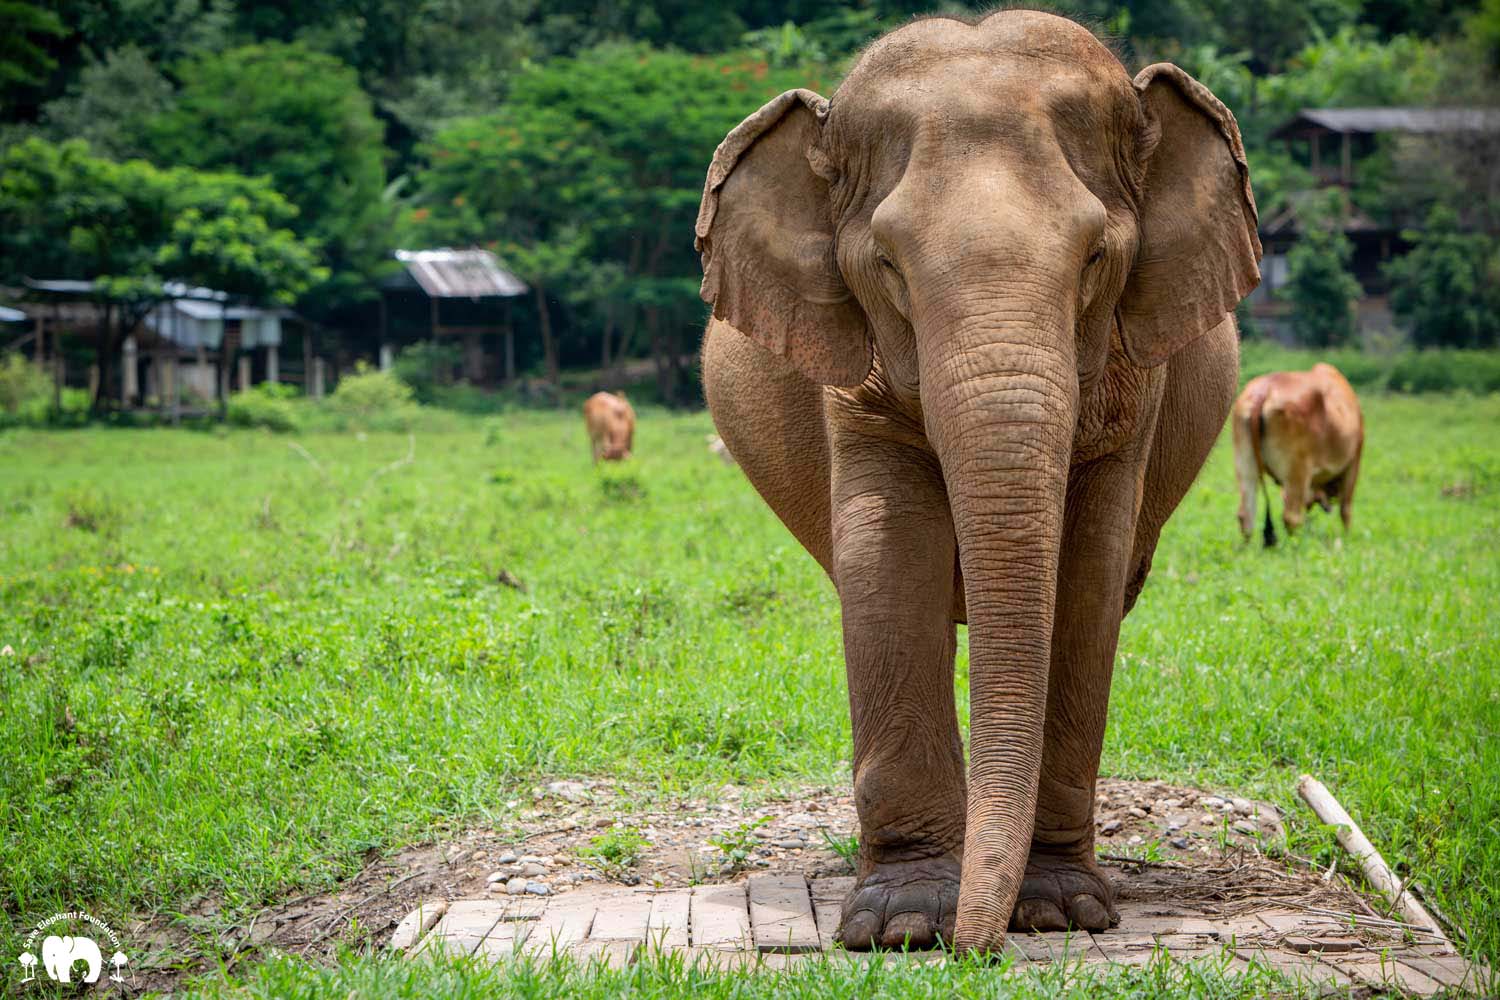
(1089, 913)
(1038, 915)
(858, 929)
(907, 930)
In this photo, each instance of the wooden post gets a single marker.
(510, 352)
(273, 364)
(244, 372)
(387, 357)
(129, 377)
(318, 375)
(1315, 152)
(1371, 863)
(307, 358)
(1346, 170)
(171, 377)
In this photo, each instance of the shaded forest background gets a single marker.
(282, 150)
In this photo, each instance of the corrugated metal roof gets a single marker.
(8, 315)
(170, 289)
(460, 274)
(1369, 120)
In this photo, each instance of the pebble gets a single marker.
(1212, 802)
(1179, 842)
(762, 863)
(791, 845)
(508, 858)
(1207, 819)
(572, 791)
(496, 877)
(1137, 812)
(1242, 806)
(538, 889)
(1111, 827)
(1244, 826)
(1170, 803)
(531, 869)
(602, 822)
(533, 859)
(516, 886)
(1135, 840)
(1173, 827)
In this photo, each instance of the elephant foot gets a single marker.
(909, 904)
(1062, 891)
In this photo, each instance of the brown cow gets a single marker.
(611, 424)
(1306, 430)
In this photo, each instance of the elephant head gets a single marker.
(989, 211)
(60, 954)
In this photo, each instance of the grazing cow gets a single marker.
(611, 424)
(1306, 430)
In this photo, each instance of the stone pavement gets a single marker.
(778, 920)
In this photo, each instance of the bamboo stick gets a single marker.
(1353, 839)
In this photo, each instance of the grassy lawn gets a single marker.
(241, 660)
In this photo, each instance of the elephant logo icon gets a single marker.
(66, 955)
(60, 954)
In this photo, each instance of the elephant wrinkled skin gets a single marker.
(972, 341)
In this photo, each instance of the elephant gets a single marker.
(610, 420)
(1307, 431)
(59, 954)
(972, 338)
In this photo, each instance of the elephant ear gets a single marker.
(765, 230)
(1199, 250)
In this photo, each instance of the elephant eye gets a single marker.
(1096, 256)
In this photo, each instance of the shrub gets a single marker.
(427, 367)
(25, 390)
(1432, 370)
(1445, 288)
(374, 400)
(1321, 288)
(267, 405)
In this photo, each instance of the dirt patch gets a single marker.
(1159, 839)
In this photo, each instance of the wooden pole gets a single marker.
(1353, 839)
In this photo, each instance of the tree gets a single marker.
(300, 118)
(1320, 287)
(23, 59)
(132, 226)
(1445, 287)
(598, 160)
(112, 104)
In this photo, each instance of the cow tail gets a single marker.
(1257, 430)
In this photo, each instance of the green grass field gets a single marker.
(242, 660)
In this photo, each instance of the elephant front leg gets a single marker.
(893, 557)
(1064, 885)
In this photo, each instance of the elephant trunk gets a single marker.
(1000, 401)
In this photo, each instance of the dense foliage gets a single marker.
(1448, 287)
(571, 136)
(1321, 288)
